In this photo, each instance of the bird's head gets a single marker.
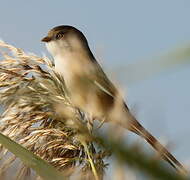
(64, 39)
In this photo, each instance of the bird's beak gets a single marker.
(46, 39)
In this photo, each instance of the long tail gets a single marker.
(138, 129)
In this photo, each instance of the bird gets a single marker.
(89, 87)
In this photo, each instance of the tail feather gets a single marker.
(134, 126)
(138, 129)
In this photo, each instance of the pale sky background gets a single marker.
(120, 33)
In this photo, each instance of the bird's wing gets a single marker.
(101, 80)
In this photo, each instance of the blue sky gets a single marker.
(120, 33)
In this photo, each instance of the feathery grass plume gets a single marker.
(37, 113)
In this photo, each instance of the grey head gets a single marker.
(64, 39)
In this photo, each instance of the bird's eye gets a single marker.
(59, 35)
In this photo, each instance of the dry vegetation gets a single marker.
(31, 99)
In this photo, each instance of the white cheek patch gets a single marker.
(52, 47)
(57, 47)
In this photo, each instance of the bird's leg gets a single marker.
(90, 121)
(101, 123)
